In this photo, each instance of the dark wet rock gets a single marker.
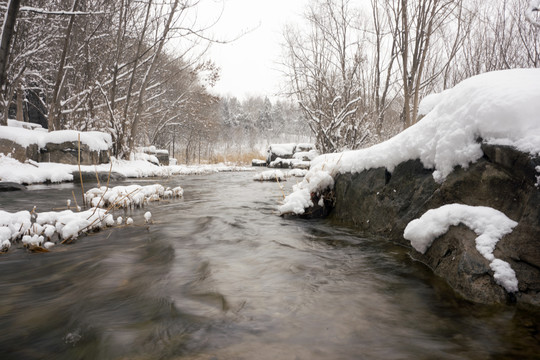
(163, 158)
(64, 153)
(90, 176)
(18, 152)
(379, 203)
(68, 153)
(11, 186)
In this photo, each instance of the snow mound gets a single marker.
(13, 226)
(499, 107)
(270, 175)
(297, 173)
(489, 224)
(130, 196)
(67, 224)
(282, 149)
(70, 225)
(301, 198)
(25, 173)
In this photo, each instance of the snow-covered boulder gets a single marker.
(478, 145)
(270, 175)
(292, 156)
(258, 162)
(161, 155)
(283, 151)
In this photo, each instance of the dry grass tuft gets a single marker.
(243, 158)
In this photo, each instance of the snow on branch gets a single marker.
(534, 5)
(60, 12)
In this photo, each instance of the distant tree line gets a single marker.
(359, 73)
(222, 127)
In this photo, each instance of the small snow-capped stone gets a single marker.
(48, 245)
(178, 191)
(35, 240)
(5, 245)
(119, 220)
(147, 216)
(49, 230)
(129, 221)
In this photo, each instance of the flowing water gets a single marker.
(220, 276)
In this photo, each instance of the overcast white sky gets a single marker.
(248, 65)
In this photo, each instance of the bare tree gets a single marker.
(323, 70)
(415, 24)
(6, 35)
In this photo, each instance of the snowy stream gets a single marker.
(220, 276)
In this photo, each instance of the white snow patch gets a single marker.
(270, 175)
(70, 225)
(282, 149)
(300, 198)
(297, 172)
(147, 216)
(500, 107)
(130, 196)
(489, 224)
(26, 173)
(95, 140)
(306, 155)
(146, 157)
(25, 125)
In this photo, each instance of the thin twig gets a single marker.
(280, 187)
(79, 164)
(75, 199)
(109, 176)
(97, 176)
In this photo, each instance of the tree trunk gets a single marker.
(54, 109)
(405, 60)
(421, 65)
(8, 28)
(20, 110)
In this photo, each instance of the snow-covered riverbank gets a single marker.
(32, 172)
